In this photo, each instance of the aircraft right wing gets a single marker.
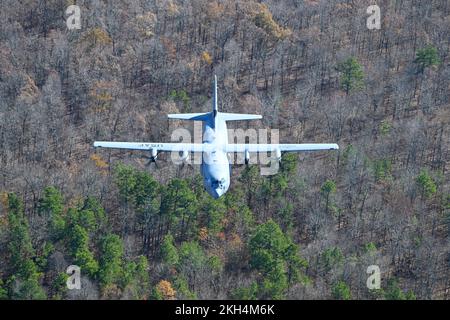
(286, 147)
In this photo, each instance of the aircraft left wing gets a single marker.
(286, 147)
(189, 147)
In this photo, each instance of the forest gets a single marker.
(312, 68)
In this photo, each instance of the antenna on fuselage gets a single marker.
(215, 110)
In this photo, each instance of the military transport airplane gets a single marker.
(215, 167)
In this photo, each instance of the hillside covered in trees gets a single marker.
(314, 71)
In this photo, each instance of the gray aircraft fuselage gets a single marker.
(215, 167)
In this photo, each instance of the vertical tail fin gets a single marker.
(215, 110)
(201, 116)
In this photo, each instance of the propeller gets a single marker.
(150, 161)
(152, 158)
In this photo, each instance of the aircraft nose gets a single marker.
(217, 193)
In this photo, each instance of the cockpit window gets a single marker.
(219, 183)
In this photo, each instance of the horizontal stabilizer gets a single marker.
(190, 116)
(239, 116)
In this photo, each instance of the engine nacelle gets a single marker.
(184, 155)
(154, 153)
(247, 156)
(278, 155)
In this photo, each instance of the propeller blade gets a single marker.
(149, 162)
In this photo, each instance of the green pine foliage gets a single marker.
(169, 252)
(426, 184)
(111, 260)
(341, 291)
(327, 190)
(179, 205)
(246, 293)
(26, 276)
(59, 286)
(52, 205)
(213, 213)
(277, 258)
(79, 248)
(394, 292)
(352, 75)
(382, 169)
(181, 227)
(3, 291)
(182, 288)
(427, 57)
(331, 258)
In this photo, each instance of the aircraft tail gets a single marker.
(229, 116)
(214, 102)
(204, 116)
(207, 115)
